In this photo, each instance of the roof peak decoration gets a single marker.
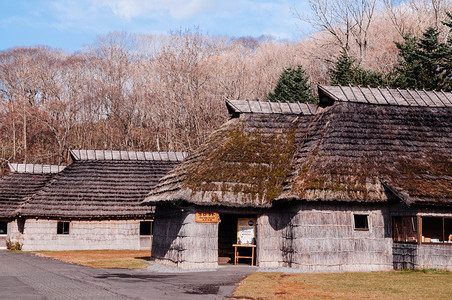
(35, 168)
(236, 107)
(383, 96)
(126, 155)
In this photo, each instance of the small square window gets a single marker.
(63, 228)
(146, 228)
(361, 222)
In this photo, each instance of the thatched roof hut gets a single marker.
(23, 181)
(101, 184)
(357, 145)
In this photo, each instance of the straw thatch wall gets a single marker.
(42, 234)
(322, 237)
(179, 240)
(422, 256)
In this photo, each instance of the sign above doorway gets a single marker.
(206, 217)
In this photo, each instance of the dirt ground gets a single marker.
(122, 259)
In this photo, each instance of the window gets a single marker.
(405, 229)
(63, 228)
(361, 222)
(146, 228)
(436, 230)
(3, 227)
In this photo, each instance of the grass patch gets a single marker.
(116, 259)
(372, 285)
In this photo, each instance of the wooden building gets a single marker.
(94, 203)
(360, 182)
(22, 182)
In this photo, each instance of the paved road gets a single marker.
(25, 276)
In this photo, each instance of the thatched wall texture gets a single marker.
(321, 237)
(414, 256)
(102, 185)
(22, 182)
(41, 234)
(179, 240)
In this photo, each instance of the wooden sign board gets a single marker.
(206, 217)
(246, 231)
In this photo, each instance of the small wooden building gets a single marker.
(22, 182)
(94, 203)
(360, 182)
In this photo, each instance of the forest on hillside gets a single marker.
(166, 92)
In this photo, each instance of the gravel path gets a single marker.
(26, 276)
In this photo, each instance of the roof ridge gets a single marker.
(384, 96)
(268, 107)
(84, 154)
(35, 168)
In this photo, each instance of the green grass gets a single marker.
(422, 284)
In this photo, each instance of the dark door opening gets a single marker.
(3, 227)
(227, 236)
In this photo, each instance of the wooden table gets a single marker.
(237, 256)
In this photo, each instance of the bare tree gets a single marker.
(346, 21)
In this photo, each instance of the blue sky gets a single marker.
(70, 24)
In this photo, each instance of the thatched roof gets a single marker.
(102, 184)
(355, 149)
(22, 182)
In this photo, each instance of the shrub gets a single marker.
(13, 246)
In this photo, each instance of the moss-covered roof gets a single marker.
(348, 151)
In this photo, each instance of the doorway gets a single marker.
(3, 234)
(227, 236)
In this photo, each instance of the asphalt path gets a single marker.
(26, 276)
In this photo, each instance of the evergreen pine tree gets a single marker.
(345, 72)
(424, 63)
(292, 86)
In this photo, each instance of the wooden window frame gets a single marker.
(151, 224)
(63, 232)
(446, 240)
(413, 225)
(355, 215)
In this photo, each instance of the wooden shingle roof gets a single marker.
(127, 155)
(351, 150)
(22, 182)
(384, 96)
(266, 107)
(102, 187)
